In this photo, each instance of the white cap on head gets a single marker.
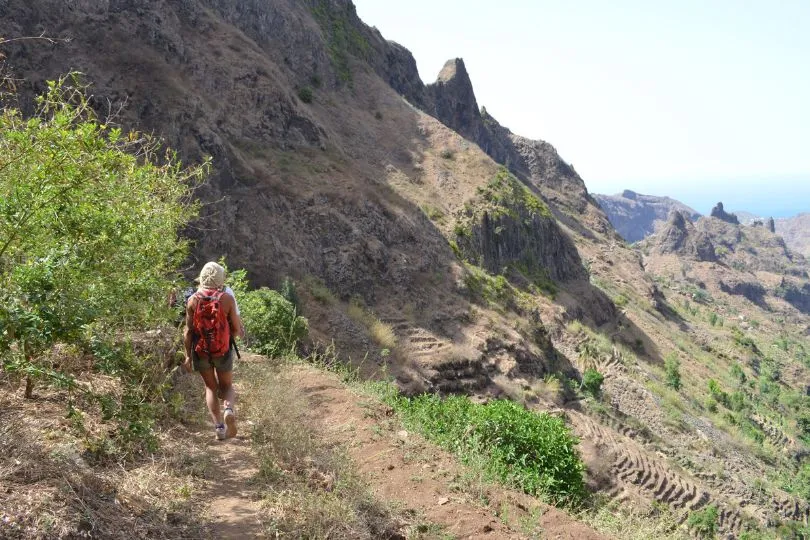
(212, 276)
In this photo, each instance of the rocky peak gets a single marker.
(454, 101)
(454, 70)
(677, 221)
(679, 236)
(771, 225)
(628, 194)
(719, 213)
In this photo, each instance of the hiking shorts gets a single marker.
(221, 363)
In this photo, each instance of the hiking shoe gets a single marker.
(220, 431)
(230, 422)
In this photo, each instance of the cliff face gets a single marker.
(636, 216)
(509, 227)
(796, 232)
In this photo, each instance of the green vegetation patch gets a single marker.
(506, 195)
(342, 38)
(486, 287)
(89, 240)
(703, 523)
(532, 451)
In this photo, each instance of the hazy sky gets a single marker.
(699, 100)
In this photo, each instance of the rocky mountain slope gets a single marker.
(428, 239)
(796, 232)
(636, 216)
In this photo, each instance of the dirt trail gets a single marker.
(231, 503)
(233, 508)
(402, 467)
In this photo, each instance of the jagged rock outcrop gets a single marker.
(751, 290)
(751, 247)
(636, 216)
(719, 213)
(771, 226)
(525, 241)
(796, 294)
(680, 237)
(507, 226)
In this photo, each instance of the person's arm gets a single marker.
(234, 320)
(241, 332)
(188, 333)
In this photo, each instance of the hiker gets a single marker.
(212, 321)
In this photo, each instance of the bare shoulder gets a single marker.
(228, 301)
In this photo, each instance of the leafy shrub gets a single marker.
(486, 287)
(532, 451)
(738, 373)
(741, 339)
(290, 293)
(703, 523)
(718, 394)
(305, 94)
(89, 231)
(672, 371)
(592, 381)
(272, 325)
(89, 223)
(803, 423)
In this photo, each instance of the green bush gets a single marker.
(738, 373)
(592, 381)
(803, 423)
(272, 324)
(532, 451)
(89, 241)
(703, 523)
(672, 370)
(290, 293)
(88, 231)
(799, 484)
(305, 94)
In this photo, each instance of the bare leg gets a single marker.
(229, 397)
(211, 400)
(226, 391)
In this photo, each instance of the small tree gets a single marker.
(271, 322)
(89, 224)
(672, 370)
(592, 381)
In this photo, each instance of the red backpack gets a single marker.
(211, 325)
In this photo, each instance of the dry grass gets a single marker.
(309, 489)
(319, 290)
(51, 486)
(631, 524)
(383, 334)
